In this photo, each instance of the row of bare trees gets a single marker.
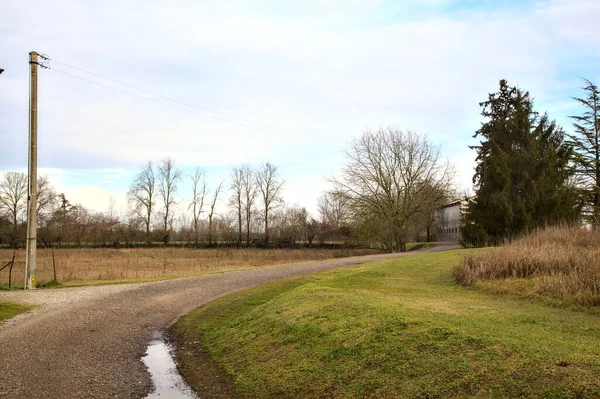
(153, 192)
(248, 183)
(386, 194)
(152, 184)
(156, 212)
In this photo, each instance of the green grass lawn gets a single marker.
(391, 329)
(414, 246)
(10, 309)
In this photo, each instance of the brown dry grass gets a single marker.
(149, 263)
(563, 263)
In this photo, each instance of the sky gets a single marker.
(216, 84)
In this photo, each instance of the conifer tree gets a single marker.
(521, 173)
(586, 145)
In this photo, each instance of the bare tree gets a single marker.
(142, 198)
(46, 198)
(236, 200)
(333, 208)
(212, 212)
(291, 224)
(199, 192)
(112, 214)
(269, 184)
(249, 195)
(386, 176)
(168, 177)
(13, 201)
(13, 196)
(80, 219)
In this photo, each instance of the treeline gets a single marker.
(530, 173)
(385, 196)
(256, 216)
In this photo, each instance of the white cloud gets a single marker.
(97, 198)
(328, 69)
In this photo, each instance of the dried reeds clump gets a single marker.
(563, 262)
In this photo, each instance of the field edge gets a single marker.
(8, 310)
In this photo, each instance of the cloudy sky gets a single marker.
(226, 82)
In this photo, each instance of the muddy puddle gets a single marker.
(165, 376)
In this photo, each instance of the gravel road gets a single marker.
(87, 342)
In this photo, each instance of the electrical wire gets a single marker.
(136, 95)
(217, 115)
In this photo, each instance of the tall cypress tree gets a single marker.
(521, 173)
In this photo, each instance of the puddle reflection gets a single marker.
(165, 376)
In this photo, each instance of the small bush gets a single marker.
(49, 284)
(564, 262)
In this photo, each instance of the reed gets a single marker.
(561, 262)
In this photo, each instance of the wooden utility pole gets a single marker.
(30, 256)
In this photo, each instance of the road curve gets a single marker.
(89, 344)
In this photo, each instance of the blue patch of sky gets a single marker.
(512, 6)
(559, 101)
(392, 12)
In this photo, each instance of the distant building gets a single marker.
(448, 221)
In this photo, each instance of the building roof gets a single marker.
(460, 201)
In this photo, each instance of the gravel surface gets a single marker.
(87, 342)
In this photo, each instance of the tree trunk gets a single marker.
(148, 241)
(266, 228)
(239, 239)
(210, 231)
(247, 232)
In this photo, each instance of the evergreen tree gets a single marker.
(586, 145)
(521, 173)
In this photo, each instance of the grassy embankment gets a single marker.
(9, 309)
(558, 265)
(389, 329)
(104, 266)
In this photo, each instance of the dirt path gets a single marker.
(87, 342)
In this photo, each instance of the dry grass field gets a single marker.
(559, 263)
(80, 265)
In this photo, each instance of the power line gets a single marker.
(217, 115)
(136, 95)
(143, 90)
